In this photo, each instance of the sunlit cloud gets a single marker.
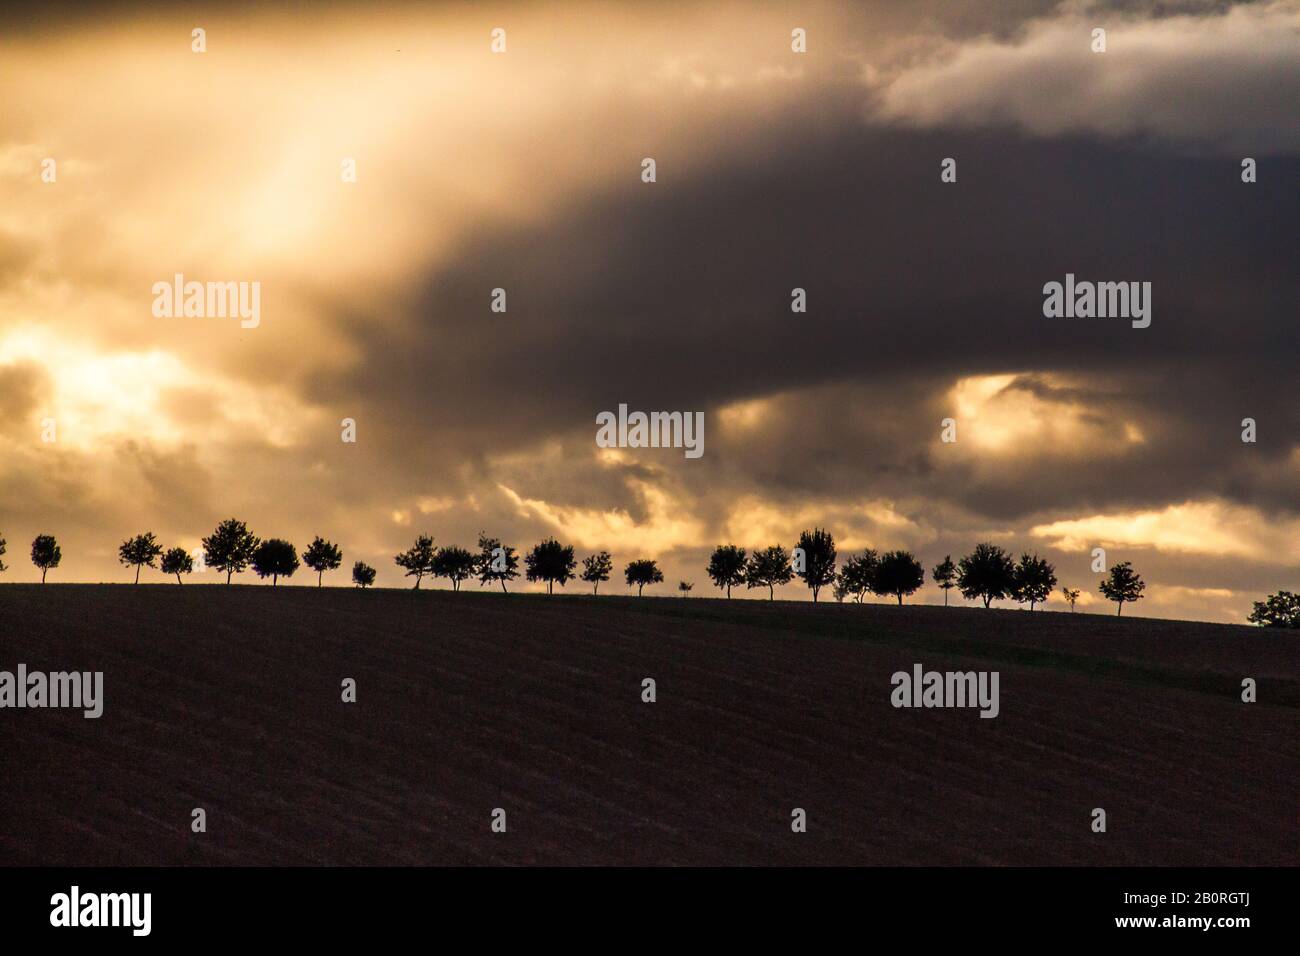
(97, 396)
(1197, 527)
(1007, 414)
(666, 525)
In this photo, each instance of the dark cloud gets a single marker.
(676, 296)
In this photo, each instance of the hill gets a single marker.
(229, 699)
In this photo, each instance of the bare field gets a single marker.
(229, 699)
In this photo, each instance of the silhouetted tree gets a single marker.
(1278, 610)
(46, 553)
(230, 548)
(322, 556)
(945, 575)
(551, 562)
(987, 573)
(140, 551)
(1071, 595)
(641, 573)
(858, 575)
(685, 587)
(177, 561)
(1035, 579)
(275, 559)
(898, 574)
(767, 569)
(597, 568)
(2, 552)
(1124, 584)
(495, 562)
(455, 564)
(418, 559)
(819, 559)
(363, 575)
(727, 567)
(838, 591)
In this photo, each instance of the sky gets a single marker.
(522, 170)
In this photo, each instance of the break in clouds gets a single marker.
(774, 171)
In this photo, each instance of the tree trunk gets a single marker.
(771, 593)
(137, 574)
(274, 579)
(178, 578)
(1120, 612)
(43, 570)
(638, 589)
(229, 572)
(945, 597)
(728, 592)
(987, 600)
(320, 577)
(900, 600)
(503, 586)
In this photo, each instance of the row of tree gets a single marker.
(988, 573)
(549, 562)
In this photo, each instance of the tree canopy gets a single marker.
(275, 558)
(230, 548)
(727, 567)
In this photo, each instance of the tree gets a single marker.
(1034, 580)
(945, 575)
(46, 553)
(363, 575)
(858, 575)
(899, 574)
(495, 563)
(597, 568)
(1279, 610)
(322, 556)
(768, 568)
(1124, 584)
(418, 559)
(551, 562)
(274, 559)
(2, 553)
(818, 570)
(230, 548)
(727, 567)
(140, 551)
(686, 587)
(641, 573)
(1071, 595)
(177, 561)
(455, 564)
(987, 573)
